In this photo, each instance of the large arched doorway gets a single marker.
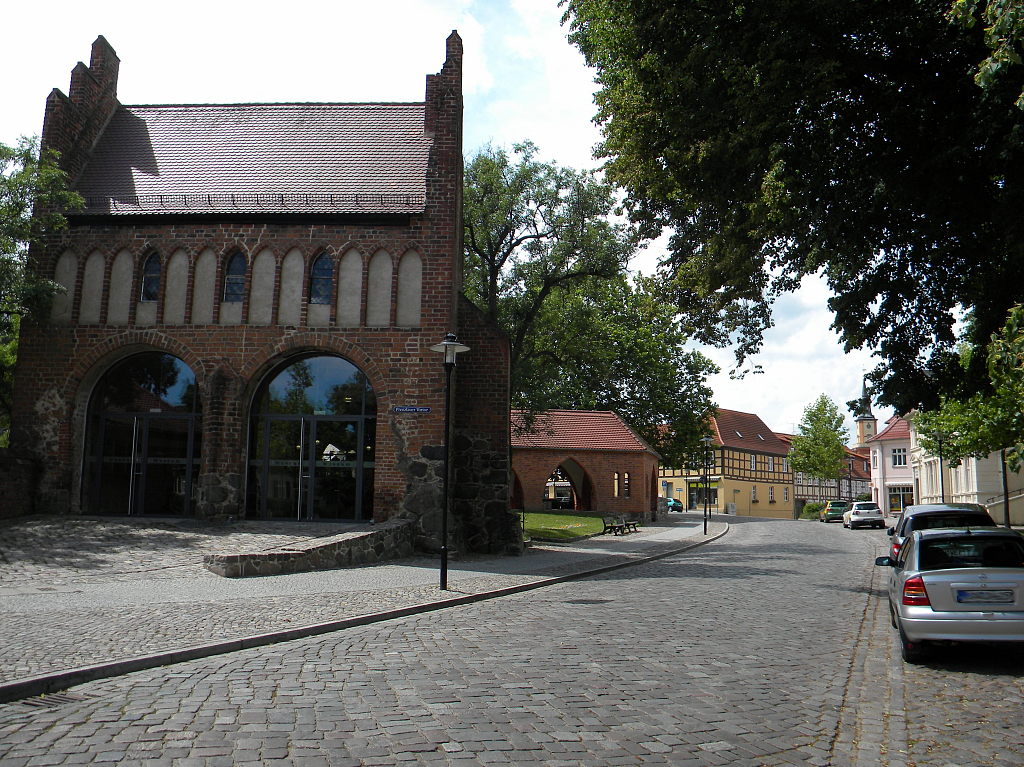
(314, 428)
(143, 438)
(569, 487)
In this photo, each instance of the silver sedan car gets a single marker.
(956, 586)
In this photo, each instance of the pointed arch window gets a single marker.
(234, 279)
(321, 280)
(150, 278)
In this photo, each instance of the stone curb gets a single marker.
(48, 683)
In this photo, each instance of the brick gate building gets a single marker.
(252, 291)
(603, 463)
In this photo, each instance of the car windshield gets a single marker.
(866, 506)
(976, 551)
(933, 521)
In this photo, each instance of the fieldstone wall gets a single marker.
(364, 546)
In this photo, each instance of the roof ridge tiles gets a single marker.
(280, 104)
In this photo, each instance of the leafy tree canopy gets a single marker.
(818, 449)
(533, 229)
(1003, 21)
(546, 257)
(615, 345)
(784, 138)
(33, 192)
(986, 422)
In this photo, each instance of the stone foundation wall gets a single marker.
(390, 540)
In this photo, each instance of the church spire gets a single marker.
(867, 424)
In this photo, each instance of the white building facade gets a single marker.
(970, 480)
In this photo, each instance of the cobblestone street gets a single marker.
(770, 646)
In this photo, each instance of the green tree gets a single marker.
(787, 138)
(615, 345)
(546, 259)
(818, 447)
(989, 422)
(33, 192)
(532, 230)
(8, 356)
(1003, 21)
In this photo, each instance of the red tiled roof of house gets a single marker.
(259, 158)
(576, 430)
(895, 428)
(745, 431)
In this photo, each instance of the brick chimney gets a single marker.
(74, 123)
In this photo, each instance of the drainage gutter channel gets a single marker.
(62, 680)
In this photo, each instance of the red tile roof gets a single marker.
(269, 158)
(896, 428)
(745, 431)
(577, 430)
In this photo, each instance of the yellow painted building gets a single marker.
(748, 472)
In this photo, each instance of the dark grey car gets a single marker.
(928, 516)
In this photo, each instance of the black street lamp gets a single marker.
(449, 347)
(707, 480)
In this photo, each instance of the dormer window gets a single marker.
(738, 434)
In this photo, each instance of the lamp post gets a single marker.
(449, 347)
(707, 480)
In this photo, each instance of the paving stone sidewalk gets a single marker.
(80, 592)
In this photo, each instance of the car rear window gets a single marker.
(976, 551)
(933, 521)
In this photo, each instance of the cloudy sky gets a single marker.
(521, 80)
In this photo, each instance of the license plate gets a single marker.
(987, 596)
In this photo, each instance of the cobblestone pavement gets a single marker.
(146, 580)
(769, 647)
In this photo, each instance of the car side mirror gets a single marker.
(885, 562)
(891, 531)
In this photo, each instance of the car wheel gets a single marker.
(911, 652)
(892, 617)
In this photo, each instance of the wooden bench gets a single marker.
(614, 525)
(618, 526)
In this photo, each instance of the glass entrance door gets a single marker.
(309, 467)
(312, 438)
(145, 465)
(144, 438)
(334, 450)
